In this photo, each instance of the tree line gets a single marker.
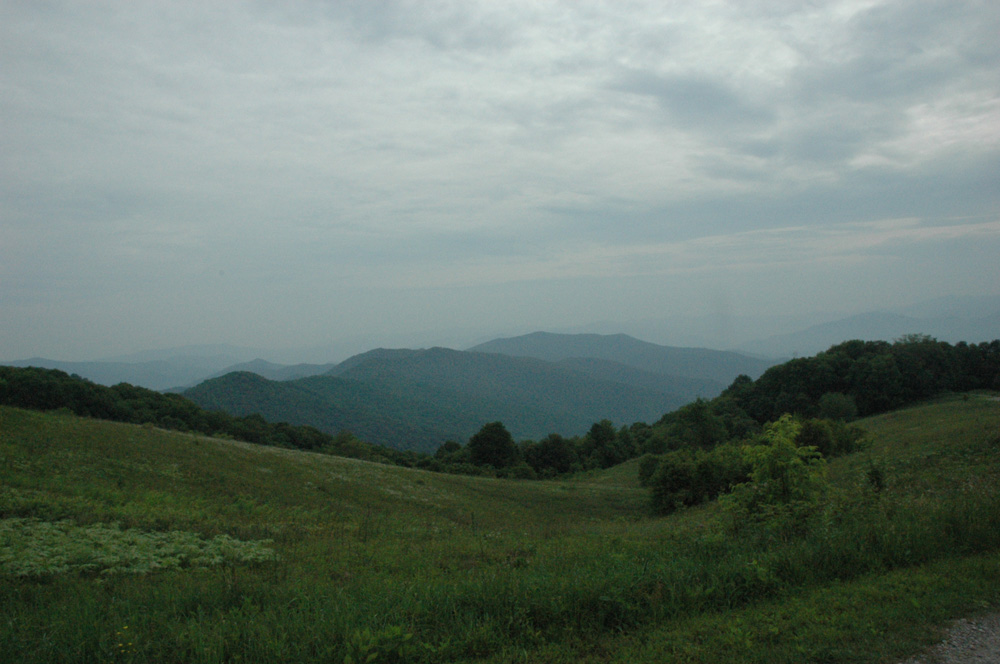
(689, 455)
(797, 414)
(52, 389)
(692, 454)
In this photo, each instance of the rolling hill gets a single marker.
(121, 542)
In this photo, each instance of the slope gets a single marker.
(362, 562)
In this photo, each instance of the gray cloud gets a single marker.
(697, 102)
(203, 165)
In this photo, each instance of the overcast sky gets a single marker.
(289, 174)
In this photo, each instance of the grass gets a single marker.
(383, 564)
(877, 618)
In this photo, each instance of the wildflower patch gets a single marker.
(34, 548)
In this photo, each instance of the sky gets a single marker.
(296, 174)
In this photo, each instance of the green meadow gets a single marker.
(124, 543)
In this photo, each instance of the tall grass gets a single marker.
(383, 564)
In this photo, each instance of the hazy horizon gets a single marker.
(311, 173)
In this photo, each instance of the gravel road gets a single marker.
(969, 641)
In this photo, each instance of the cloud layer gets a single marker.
(178, 172)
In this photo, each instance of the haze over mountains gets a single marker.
(941, 321)
(536, 383)
(971, 319)
(418, 399)
(692, 363)
(171, 372)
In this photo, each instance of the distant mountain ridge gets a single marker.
(877, 326)
(275, 371)
(418, 399)
(951, 319)
(697, 363)
(537, 384)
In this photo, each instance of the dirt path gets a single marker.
(969, 641)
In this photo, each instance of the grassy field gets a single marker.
(131, 544)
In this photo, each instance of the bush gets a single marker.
(522, 471)
(673, 482)
(786, 481)
(837, 406)
(648, 464)
(818, 434)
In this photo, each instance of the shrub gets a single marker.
(648, 464)
(786, 481)
(838, 406)
(522, 471)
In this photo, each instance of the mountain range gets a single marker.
(701, 364)
(951, 319)
(418, 399)
(536, 383)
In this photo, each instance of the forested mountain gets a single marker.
(405, 419)
(690, 388)
(717, 366)
(417, 399)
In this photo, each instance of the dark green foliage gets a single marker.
(816, 433)
(551, 456)
(694, 425)
(737, 423)
(673, 482)
(701, 424)
(493, 446)
(648, 463)
(720, 470)
(837, 406)
(601, 446)
(831, 437)
(643, 442)
(521, 471)
(785, 486)
(690, 477)
(449, 448)
(976, 366)
(875, 375)
(926, 366)
(876, 384)
(51, 389)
